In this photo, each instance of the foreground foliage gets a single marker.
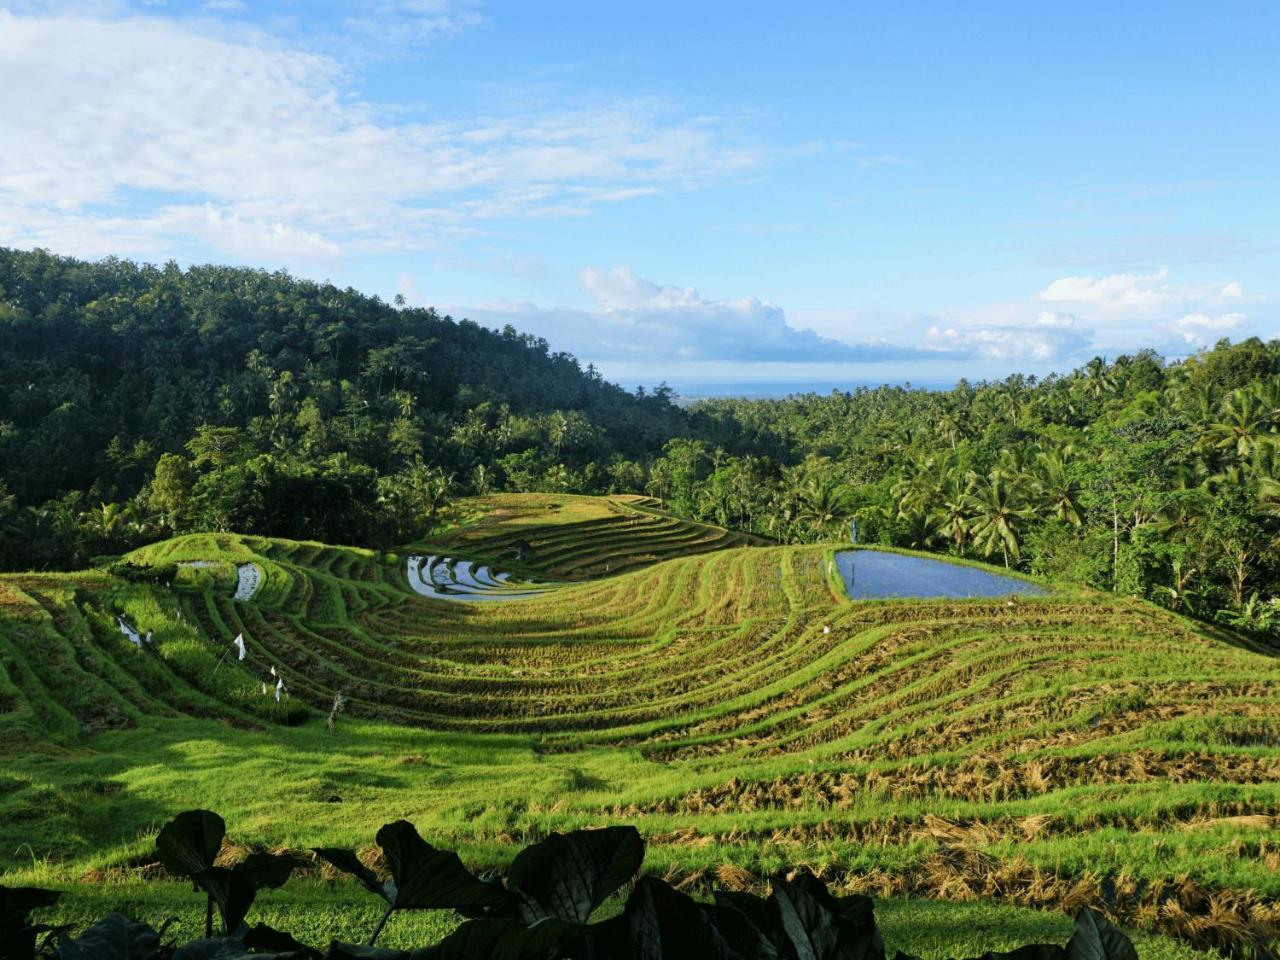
(542, 911)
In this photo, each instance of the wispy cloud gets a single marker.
(144, 135)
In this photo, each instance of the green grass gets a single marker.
(720, 694)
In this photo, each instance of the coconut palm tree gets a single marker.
(952, 513)
(998, 512)
(921, 483)
(823, 504)
(950, 428)
(1101, 381)
(1056, 492)
(1241, 424)
(1196, 399)
(921, 531)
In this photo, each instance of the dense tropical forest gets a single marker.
(137, 402)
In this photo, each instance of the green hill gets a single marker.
(719, 693)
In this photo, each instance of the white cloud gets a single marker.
(636, 320)
(1117, 292)
(143, 134)
(1035, 344)
(1199, 329)
(1076, 317)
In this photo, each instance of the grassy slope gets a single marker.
(970, 748)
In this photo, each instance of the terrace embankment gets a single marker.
(722, 694)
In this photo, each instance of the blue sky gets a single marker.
(696, 192)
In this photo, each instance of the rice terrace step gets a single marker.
(732, 702)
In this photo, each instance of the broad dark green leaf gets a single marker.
(115, 938)
(219, 948)
(256, 872)
(509, 909)
(568, 875)
(503, 940)
(752, 934)
(360, 951)
(189, 843)
(816, 932)
(234, 889)
(348, 862)
(856, 910)
(664, 924)
(1096, 938)
(262, 938)
(17, 903)
(429, 879)
(1032, 951)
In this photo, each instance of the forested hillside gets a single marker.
(139, 401)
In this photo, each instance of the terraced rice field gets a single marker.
(721, 694)
(576, 538)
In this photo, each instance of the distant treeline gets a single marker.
(136, 401)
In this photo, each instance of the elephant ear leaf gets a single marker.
(189, 843)
(17, 934)
(256, 872)
(264, 939)
(16, 904)
(816, 932)
(429, 879)
(221, 948)
(503, 940)
(569, 875)
(749, 925)
(856, 912)
(1096, 938)
(348, 862)
(1031, 951)
(360, 951)
(665, 924)
(114, 938)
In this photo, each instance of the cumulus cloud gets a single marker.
(1200, 329)
(1047, 337)
(636, 320)
(132, 132)
(1073, 318)
(1117, 292)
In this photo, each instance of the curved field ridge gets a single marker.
(567, 537)
(728, 700)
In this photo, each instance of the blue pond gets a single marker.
(868, 574)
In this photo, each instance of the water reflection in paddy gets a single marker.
(869, 574)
